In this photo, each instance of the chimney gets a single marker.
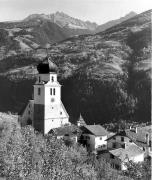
(147, 139)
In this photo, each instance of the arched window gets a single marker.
(51, 91)
(39, 79)
(54, 91)
(52, 79)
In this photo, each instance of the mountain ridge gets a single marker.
(114, 22)
(105, 76)
(40, 30)
(64, 20)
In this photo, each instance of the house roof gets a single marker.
(65, 130)
(128, 152)
(24, 107)
(97, 130)
(139, 138)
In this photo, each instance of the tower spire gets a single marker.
(47, 66)
(81, 121)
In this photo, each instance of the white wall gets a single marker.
(138, 158)
(117, 141)
(54, 123)
(48, 96)
(55, 114)
(135, 159)
(116, 161)
(100, 142)
(95, 142)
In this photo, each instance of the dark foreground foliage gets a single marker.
(28, 155)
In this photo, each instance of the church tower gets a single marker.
(49, 112)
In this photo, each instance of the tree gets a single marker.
(139, 171)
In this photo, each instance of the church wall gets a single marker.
(48, 97)
(47, 77)
(48, 109)
(38, 122)
(55, 111)
(39, 98)
(31, 107)
(54, 123)
(27, 114)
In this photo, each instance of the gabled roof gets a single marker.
(139, 138)
(128, 152)
(65, 130)
(62, 105)
(96, 130)
(24, 107)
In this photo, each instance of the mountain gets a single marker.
(109, 24)
(105, 76)
(41, 30)
(23, 37)
(64, 20)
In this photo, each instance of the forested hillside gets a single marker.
(106, 76)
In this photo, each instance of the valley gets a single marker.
(105, 76)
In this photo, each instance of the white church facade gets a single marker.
(46, 111)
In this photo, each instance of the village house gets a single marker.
(139, 135)
(47, 114)
(66, 133)
(120, 156)
(94, 137)
(46, 111)
(131, 144)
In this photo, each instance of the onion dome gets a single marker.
(47, 66)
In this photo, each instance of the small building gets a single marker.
(94, 137)
(140, 136)
(67, 133)
(46, 111)
(120, 156)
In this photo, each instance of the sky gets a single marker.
(99, 11)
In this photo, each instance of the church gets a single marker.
(46, 110)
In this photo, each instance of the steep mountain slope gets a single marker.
(64, 20)
(109, 24)
(105, 76)
(22, 37)
(40, 30)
